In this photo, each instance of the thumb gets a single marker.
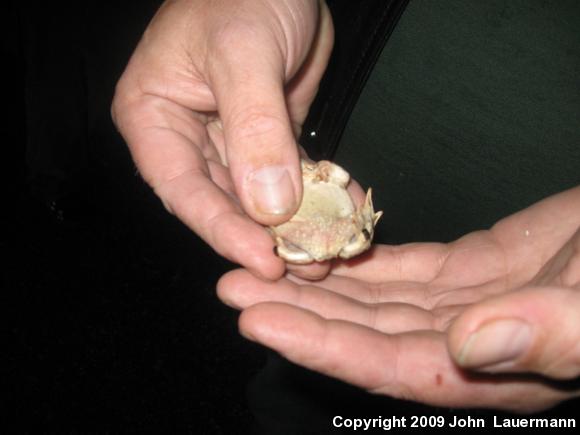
(535, 330)
(261, 149)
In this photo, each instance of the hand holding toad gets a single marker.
(210, 105)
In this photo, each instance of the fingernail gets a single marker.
(247, 335)
(272, 190)
(496, 345)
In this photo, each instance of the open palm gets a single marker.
(397, 320)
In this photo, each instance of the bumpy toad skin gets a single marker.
(327, 224)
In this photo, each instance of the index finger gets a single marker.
(416, 262)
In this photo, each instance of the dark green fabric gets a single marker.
(472, 113)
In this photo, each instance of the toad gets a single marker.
(327, 224)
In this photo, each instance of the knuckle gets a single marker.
(232, 41)
(258, 122)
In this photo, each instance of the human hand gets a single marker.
(210, 105)
(491, 320)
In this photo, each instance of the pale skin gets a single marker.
(397, 320)
(210, 105)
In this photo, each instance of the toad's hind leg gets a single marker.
(291, 253)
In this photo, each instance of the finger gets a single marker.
(444, 305)
(164, 148)
(303, 87)
(419, 262)
(403, 292)
(311, 272)
(531, 330)
(356, 192)
(248, 80)
(530, 231)
(413, 366)
(240, 290)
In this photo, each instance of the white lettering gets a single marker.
(370, 423)
(467, 422)
(534, 422)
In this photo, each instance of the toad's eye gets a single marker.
(366, 234)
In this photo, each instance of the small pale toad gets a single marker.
(327, 224)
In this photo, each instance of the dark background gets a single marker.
(111, 319)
